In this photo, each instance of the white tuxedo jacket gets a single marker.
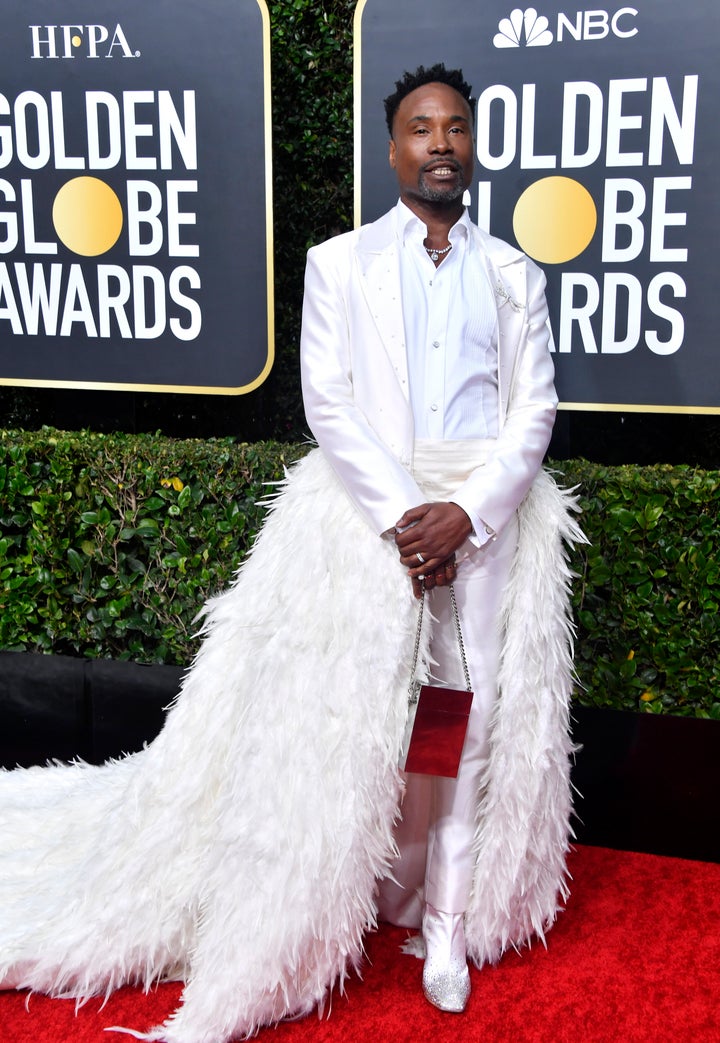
(355, 377)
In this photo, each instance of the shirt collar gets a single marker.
(409, 227)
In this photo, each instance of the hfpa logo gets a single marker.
(529, 29)
(79, 41)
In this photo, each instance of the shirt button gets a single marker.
(436, 343)
(434, 408)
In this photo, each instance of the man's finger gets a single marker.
(413, 514)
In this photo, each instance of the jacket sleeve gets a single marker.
(381, 488)
(493, 492)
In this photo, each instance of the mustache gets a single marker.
(452, 163)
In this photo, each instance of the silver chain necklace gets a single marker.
(434, 254)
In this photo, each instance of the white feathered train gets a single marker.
(239, 852)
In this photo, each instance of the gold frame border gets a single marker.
(357, 108)
(262, 376)
(614, 407)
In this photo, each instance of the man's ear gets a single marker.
(391, 154)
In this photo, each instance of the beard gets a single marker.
(447, 193)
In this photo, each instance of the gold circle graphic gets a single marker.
(554, 219)
(76, 41)
(87, 216)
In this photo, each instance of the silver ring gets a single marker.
(419, 557)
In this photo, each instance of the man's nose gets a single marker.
(441, 143)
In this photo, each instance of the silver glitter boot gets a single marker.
(446, 979)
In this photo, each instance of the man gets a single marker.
(428, 385)
(253, 875)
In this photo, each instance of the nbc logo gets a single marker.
(523, 28)
(529, 29)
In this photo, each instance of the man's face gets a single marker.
(432, 146)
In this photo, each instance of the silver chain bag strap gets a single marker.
(437, 715)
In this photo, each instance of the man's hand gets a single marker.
(431, 532)
(442, 576)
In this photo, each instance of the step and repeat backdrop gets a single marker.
(598, 151)
(135, 195)
(135, 185)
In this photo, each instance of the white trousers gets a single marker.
(436, 830)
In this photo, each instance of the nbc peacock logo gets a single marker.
(523, 29)
(529, 29)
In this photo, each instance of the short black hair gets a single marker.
(410, 81)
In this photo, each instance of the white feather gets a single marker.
(239, 851)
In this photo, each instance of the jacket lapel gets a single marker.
(506, 271)
(379, 270)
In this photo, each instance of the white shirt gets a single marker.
(450, 320)
(451, 333)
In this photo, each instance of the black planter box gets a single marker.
(58, 708)
(644, 782)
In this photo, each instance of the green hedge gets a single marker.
(648, 587)
(109, 544)
(312, 104)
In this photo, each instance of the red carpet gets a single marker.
(636, 957)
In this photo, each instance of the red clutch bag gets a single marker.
(437, 717)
